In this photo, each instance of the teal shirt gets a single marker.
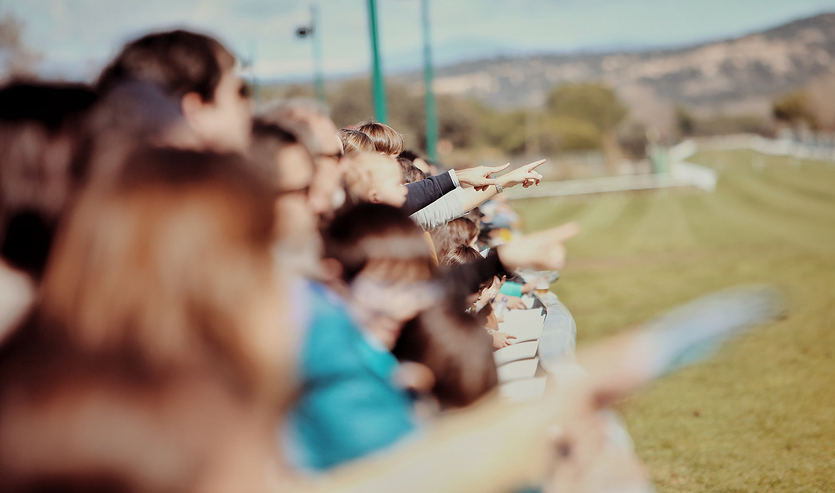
(512, 289)
(349, 407)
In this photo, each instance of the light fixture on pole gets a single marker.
(313, 31)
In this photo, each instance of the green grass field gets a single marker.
(760, 414)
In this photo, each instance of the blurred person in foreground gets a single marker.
(152, 362)
(164, 369)
(198, 72)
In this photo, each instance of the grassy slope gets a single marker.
(759, 415)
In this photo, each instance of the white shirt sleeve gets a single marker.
(441, 211)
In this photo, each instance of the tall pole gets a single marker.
(428, 76)
(379, 88)
(318, 79)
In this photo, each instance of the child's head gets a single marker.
(417, 160)
(458, 232)
(462, 254)
(487, 290)
(437, 338)
(386, 139)
(385, 262)
(355, 141)
(375, 178)
(411, 173)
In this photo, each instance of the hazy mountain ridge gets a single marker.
(734, 75)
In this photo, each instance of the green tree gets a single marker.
(794, 108)
(594, 103)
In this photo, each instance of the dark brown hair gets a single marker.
(457, 350)
(140, 346)
(153, 261)
(178, 61)
(378, 237)
(39, 173)
(411, 173)
(462, 254)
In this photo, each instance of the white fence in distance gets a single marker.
(683, 173)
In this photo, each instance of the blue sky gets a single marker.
(75, 37)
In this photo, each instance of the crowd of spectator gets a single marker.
(203, 295)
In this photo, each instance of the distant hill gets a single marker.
(739, 75)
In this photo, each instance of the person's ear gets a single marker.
(191, 103)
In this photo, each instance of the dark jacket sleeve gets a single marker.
(464, 279)
(424, 192)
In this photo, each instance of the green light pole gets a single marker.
(312, 30)
(428, 76)
(379, 87)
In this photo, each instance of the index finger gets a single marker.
(532, 166)
(496, 169)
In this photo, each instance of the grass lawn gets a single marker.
(760, 414)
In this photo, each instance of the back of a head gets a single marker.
(386, 139)
(381, 236)
(418, 161)
(179, 61)
(130, 115)
(159, 261)
(39, 169)
(455, 348)
(461, 255)
(355, 141)
(411, 173)
(459, 231)
(156, 313)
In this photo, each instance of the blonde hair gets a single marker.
(386, 139)
(355, 141)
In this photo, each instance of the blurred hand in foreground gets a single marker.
(543, 250)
